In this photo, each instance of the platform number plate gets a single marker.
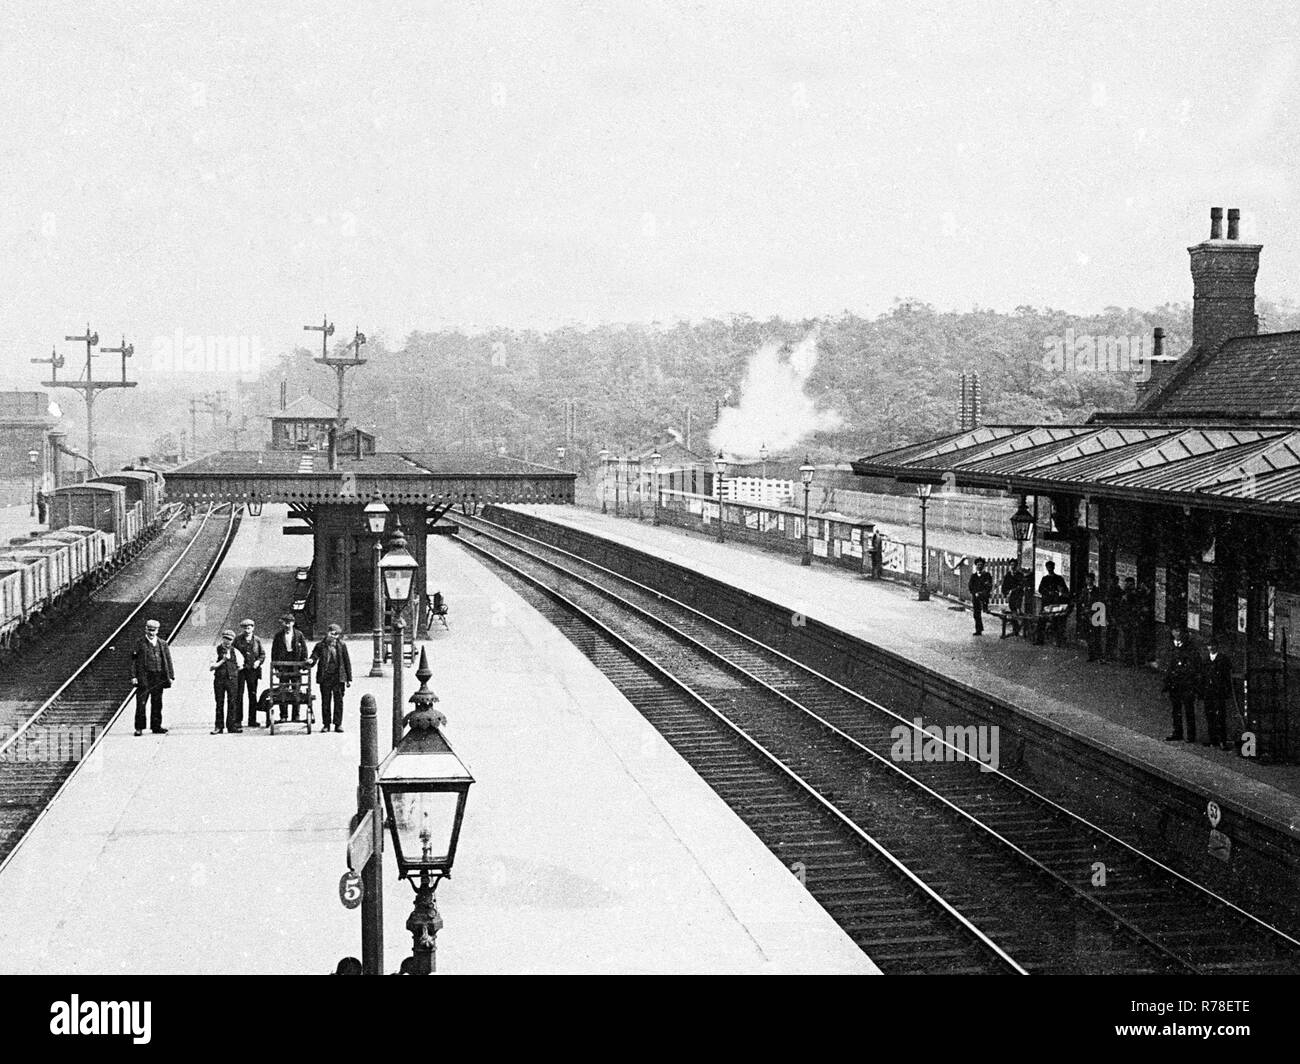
(1214, 814)
(350, 890)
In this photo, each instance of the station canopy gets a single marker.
(1248, 466)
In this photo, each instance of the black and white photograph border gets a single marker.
(789, 488)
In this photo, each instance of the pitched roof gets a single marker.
(305, 408)
(1166, 463)
(1247, 376)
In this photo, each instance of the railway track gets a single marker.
(930, 866)
(39, 758)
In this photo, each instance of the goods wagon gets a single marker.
(141, 487)
(95, 505)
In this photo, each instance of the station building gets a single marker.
(1195, 492)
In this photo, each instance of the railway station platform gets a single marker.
(588, 844)
(1119, 710)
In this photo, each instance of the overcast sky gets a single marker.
(221, 170)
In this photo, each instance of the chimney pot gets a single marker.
(1158, 343)
(1216, 223)
(1234, 218)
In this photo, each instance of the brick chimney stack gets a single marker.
(1223, 284)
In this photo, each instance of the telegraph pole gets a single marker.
(210, 403)
(89, 387)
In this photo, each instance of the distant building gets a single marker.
(357, 443)
(303, 425)
(25, 419)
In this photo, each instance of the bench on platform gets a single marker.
(1016, 617)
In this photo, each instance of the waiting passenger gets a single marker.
(1014, 585)
(1216, 690)
(1092, 615)
(1053, 592)
(1182, 681)
(981, 587)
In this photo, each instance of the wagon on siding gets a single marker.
(141, 487)
(93, 505)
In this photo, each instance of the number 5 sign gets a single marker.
(350, 890)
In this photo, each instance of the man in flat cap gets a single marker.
(224, 666)
(289, 644)
(253, 653)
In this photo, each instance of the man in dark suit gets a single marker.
(1092, 616)
(151, 673)
(225, 667)
(333, 676)
(981, 587)
(1216, 690)
(289, 644)
(1013, 591)
(1182, 680)
(253, 653)
(1052, 591)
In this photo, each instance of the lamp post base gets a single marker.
(923, 595)
(806, 559)
(424, 923)
(377, 661)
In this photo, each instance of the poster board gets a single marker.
(1159, 591)
(1193, 601)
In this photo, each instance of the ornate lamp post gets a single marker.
(806, 472)
(376, 518)
(1022, 526)
(720, 474)
(398, 570)
(655, 459)
(923, 493)
(617, 462)
(425, 786)
(559, 457)
(31, 457)
(604, 480)
(762, 457)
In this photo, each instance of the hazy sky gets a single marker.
(226, 171)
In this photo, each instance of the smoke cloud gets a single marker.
(774, 408)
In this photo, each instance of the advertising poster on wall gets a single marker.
(1193, 601)
(1160, 594)
(891, 556)
(1287, 609)
(1125, 567)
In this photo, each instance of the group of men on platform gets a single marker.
(1110, 620)
(236, 668)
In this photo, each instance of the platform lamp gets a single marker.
(1022, 527)
(604, 480)
(254, 506)
(806, 472)
(720, 471)
(762, 457)
(425, 786)
(32, 455)
(655, 459)
(397, 567)
(376, 514)
(923, 493)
